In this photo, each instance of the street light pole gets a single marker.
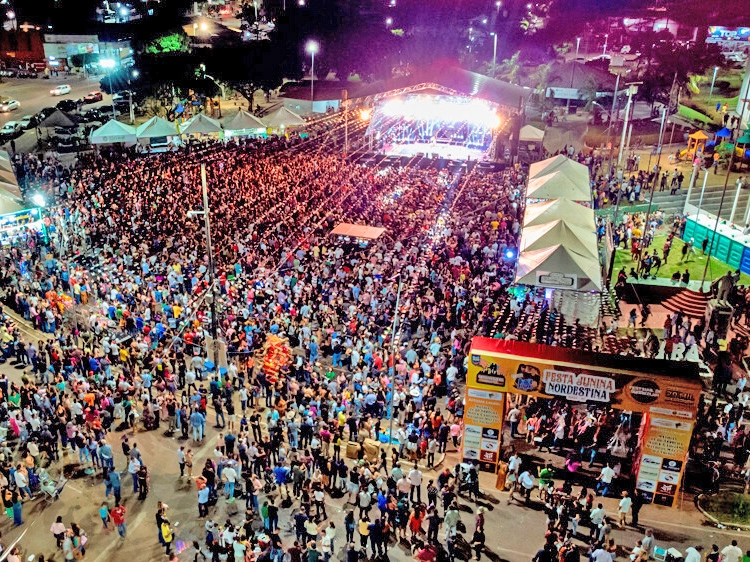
(711, 91)
(393, 358)
(612, 113)
(494, 54)
(211, 267)
(572, 72)
(312, 48)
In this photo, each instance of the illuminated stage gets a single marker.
(447, 151)
(450, 127)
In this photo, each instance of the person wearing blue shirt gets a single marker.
(203, 502)
(197, 421)
(281, 473)
(114, 480)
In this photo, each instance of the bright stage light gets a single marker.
(443, 108)
(509, 254)
(365, 114)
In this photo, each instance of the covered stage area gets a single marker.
(442, 113)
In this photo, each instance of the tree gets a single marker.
(541, 77)
(172, 43)
(510, 68)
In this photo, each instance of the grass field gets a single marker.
(695, 266)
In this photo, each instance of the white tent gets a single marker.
(201, 124)
(560, 268)
(244, 123)
(559, 185)
(283, 118)
(9, 203)
(548, 211)
(529, 133)
(113, 131)
(575, 238)
(156, 127)
(573, 170)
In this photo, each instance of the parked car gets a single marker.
(93, 97)
(60, 90)
(67, 105)
(11, 129)
(9, 105)
(121, 96)
(94, 115)
(28, 122)
(65, 132)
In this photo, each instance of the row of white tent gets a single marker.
(559, 246)
(243, 123)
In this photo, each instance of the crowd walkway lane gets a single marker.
(31, 334)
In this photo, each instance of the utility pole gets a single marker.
(572, 73)
(393, 357)
(211, 292)
(632, 90)
(612, 112)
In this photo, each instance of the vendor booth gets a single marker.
(659, 398)
(530, 145)
(113, 132)
(283, 118)
(200, 125)
(157, 132)
(558, 209)
(244, 124)
(559, 184)
(577, 173)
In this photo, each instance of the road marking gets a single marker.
(117, 543)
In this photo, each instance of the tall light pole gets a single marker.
(212, 294)
(711, 91)
(632, 90)
(109, 64)
(393, 357)
(572, 72)
(606, 38)
(494, 53)
(312, 48)
(134, 74)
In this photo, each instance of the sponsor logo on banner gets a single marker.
(490, 433)
(581, 387)
(490, 445)
(471, 454)
(671, 464)
(485, 394)
(669, 477)
(668, 489)
(645, 391)
(488, 456)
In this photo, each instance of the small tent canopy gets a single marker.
(113, 131)
(575, 171)
(156, 127)
(283, 118)
(548, 211)
(529, 133)
(200, 124)
(744, 139)
(244, 121)
(560, 268)
(724, 133)
(575, 238)
(559, 185)
(9, 203)
(358, 231)
(700, 135)
(58, 119)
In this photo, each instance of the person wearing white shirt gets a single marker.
(415, 479)
(624, 508)
(596, 517)
(605, 480)
(731, 553)
(692, 554)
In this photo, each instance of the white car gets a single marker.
(9, 105)
(60, 90)
(11, 128)
(27, 122)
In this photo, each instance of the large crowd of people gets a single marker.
(377, 331)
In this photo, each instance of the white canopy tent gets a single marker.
(156, 127)
(283, 118)
(529, 133)
(554, 209)
(244, 123)
(113, 132)
(575, 238)
(573, 170)
(9, 203)
(557, 185)
(201, 125)
(560, 268)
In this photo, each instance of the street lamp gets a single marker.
(606, 38)
(312, 48)
(109, 64)
(572, 73)
(711, 91)
(389, 22)
(494, 53)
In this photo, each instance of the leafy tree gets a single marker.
(172, 43)
(510, 68)
(541, 77)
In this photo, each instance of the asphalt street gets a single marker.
(34, 95)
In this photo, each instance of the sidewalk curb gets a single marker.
(714, 520)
